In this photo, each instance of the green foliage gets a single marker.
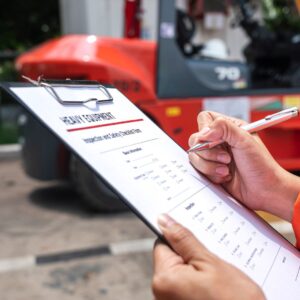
(8, 133)
(281, 15)
(23, 25)
(27, 23)
(7, 71)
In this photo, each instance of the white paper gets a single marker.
(153, 174)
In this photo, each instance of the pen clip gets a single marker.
(292, 110)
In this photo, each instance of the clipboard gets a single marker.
(103, 97)
(152, 175)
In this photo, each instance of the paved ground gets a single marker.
(41, 219)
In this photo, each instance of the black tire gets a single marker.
(92, 189)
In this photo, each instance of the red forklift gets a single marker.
(170, 81)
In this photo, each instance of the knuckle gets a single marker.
(157, 284)
(216, 179)
(163, 284)
(182, 239)
(208, 154)
(180, 234)
(220, 121)
(222, 125)
(206, 167)
(203, 117)
(203, 114)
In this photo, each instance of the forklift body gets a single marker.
(166, 85)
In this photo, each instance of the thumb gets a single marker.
(222, 129)
(183, 242)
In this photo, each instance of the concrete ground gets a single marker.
(45, 231)
(42, 219)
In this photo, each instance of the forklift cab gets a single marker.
(200, 75)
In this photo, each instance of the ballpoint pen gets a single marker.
(256, 126)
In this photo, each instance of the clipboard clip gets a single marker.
(52, 84)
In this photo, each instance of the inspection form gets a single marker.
(153, 175)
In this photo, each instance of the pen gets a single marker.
(256, 126)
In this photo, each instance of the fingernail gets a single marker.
(224, 158)
(222, 170)
(164, 221)
(204, 130)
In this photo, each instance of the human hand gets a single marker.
(191, 272)
(243, 166)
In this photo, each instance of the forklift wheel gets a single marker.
(93, 190)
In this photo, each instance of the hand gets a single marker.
(191, 272)
(244, 166)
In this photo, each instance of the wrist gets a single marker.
(285, 192)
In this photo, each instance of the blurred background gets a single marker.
(63, 232)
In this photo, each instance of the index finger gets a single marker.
(205, 118)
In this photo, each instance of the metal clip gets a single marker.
(52, 84)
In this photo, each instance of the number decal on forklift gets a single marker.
(230, 73)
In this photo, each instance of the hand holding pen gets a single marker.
(244, 166)
(266, 122)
